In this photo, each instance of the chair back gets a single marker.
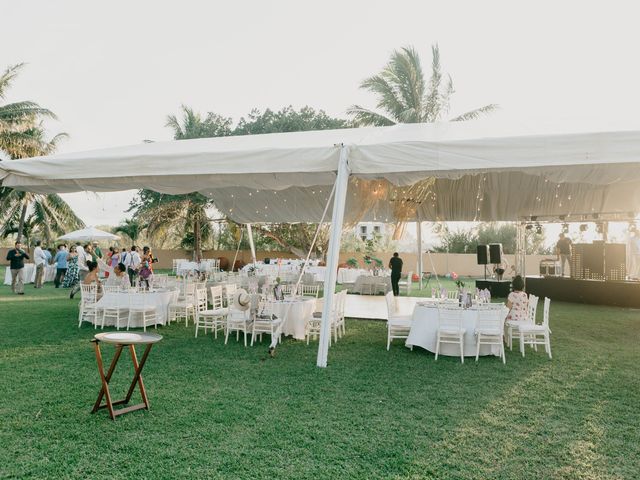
(490, 319)
(452, 294)
(545, 311)
(216, 297)
(449, 316)
(138, 299)
(201, 299)
(111, 288)
(532, 308)
(89, 293)
(342, 303)
(391, 304)
(309, 290)
(409, 281)
(287, 289)
(230, 291)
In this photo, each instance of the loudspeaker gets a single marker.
(482, 253)
(495, 253)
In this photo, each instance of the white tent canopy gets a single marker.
(516, 172)
(443, 171)
(90, 234)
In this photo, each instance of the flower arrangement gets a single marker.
(459, 283)
(353, 263)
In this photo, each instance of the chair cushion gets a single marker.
(489, 331)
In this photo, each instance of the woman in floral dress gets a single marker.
(72, 277)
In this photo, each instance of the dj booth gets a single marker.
(598, 272)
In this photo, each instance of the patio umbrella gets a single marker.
(89, 234)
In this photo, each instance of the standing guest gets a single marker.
(40, 260)
(563, 252)
(517, 301)
(97, 251)
(84, 256)
(132, 261)
(146, 274)
(395, 264)
(72, 276)
(119, 277)
(147, 256)
(49, 253)
(115, 257)
(16, 259)
(62, 264)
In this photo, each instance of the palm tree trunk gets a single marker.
(23, 215)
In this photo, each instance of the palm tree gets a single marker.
(405, 96)
(132, 228)
(22, 135)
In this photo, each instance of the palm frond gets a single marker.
(433, 106)
(473, 114)
(387, 95)
(362, 117)
(6, 79)
(15, 115)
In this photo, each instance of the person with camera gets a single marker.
(16, 259)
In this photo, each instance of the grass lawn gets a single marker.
(231, 412)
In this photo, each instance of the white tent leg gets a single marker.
(253, 247)
(337, 218)
(419, 235)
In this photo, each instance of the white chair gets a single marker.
(265, 323)
(139, 305)
(452, 295)
(406, 286)
(185, 307)
(340, 319)
(534, 335)
(119, 309)
(513, 326)
(314, 324)
(88, 308)
(450, 328)
(229, 292)
(237, 321)
(309, 290)
(398, 326)
(287, 289)
(161, 280)
(490, 330)
(215, 317)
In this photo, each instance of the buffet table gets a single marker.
(29, 273)
(424, 328)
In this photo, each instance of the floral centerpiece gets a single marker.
(459, 283)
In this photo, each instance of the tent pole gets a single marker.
(337, 218)
(251, 244)
(419, 235)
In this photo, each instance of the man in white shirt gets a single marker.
(132, 263)
(40, 260)
(83, 269)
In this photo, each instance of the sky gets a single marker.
(113, 71)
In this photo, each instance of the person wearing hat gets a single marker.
(96, 250)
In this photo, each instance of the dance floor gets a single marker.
(373, 307)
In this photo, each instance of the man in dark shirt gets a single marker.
(16, 259)
(563, 251)
(395, 264)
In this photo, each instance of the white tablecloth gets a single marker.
(160, 300)
(184, 268)
(29, 273)
(295, 314)
(424, 329)
(349, 275)
(369, 283)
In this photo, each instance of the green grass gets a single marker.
(231, 412)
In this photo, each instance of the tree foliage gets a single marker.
(171, 215)
(466, 240)
(404, 95)
(22, 135)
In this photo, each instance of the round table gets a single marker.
(424, 328)
(294, 313)
(121, 340)
(160, 299)
(371, 285)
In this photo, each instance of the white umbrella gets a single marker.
(89, 234)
